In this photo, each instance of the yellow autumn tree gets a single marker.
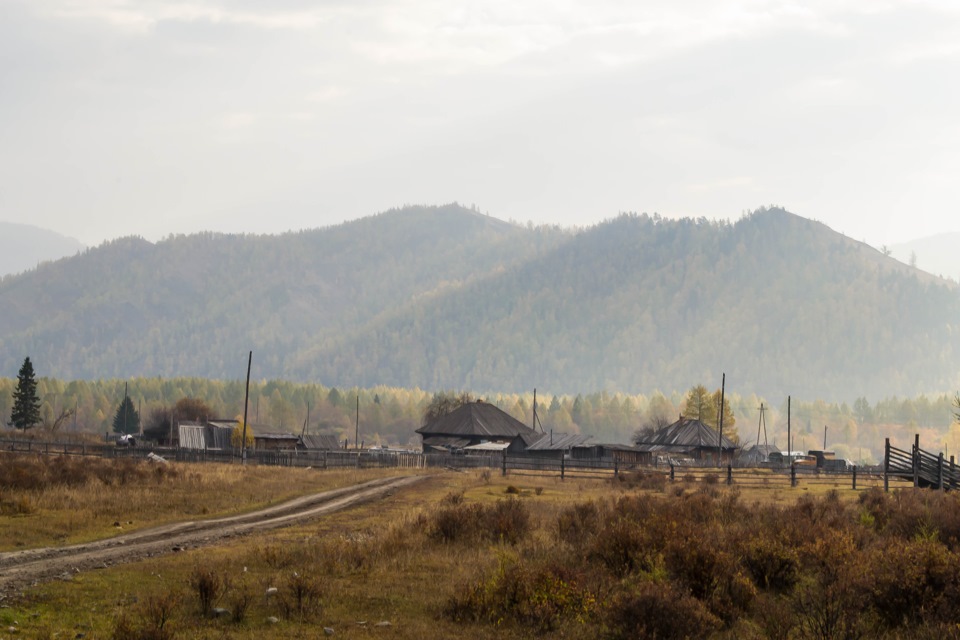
(236, 436)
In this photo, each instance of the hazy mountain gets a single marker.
(448, 298)
(194, 305)
(939, 254)
(781, 304)
(24, 247)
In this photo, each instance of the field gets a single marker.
(474, 554)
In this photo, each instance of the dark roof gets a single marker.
(684, 435)
(557, 442)
(276, 436)
(476, 419)
(320, 442)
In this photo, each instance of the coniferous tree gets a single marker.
(126, 420)
(26, 404)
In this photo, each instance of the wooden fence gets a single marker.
(922, 468)
(562, 468)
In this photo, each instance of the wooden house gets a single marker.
(476, 423)
(690, 438)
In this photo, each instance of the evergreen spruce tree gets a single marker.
(126, 419)
(26, 404)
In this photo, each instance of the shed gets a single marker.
(318, 442)
(554, 446)
(275, 441)
(204, 437)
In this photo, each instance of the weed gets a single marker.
(207, 586)
(300, 596)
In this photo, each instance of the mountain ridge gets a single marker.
(446, 297)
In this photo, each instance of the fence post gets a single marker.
(854, 477)
(616, 468)
(886, 465)
(729, 474)
(940, 471)
(562, 467)
(672, 474)
(504, 462)
(793, 475)
(916, 461)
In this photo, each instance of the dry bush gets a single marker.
(155, 616)
(913, 582)
(771, 564)
(645, 480)
(300, 596)
(538, 597)
(578, 523)
(507, 521)
(504, 521)
(208, 585)
(656, 610)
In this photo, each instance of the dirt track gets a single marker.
(21, 569)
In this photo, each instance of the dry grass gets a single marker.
(54, 500)
(380, 562)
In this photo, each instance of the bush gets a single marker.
(504, 521)
(300, 596)
(578, 523)
(208, 586)
(653, 610)
(507, 521)
(771, 564)
(537, 597)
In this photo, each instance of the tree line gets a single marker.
(390, 415)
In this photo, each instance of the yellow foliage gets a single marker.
(236, 436)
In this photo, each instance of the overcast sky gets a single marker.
(151, 118)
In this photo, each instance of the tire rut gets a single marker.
(21, 569)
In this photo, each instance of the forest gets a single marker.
(448, 298)
(389, 415)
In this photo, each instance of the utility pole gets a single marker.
(789, 442)
(824, 437)
(246, 401)
(356, 435)
(723, 386)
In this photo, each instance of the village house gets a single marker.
(690, 438)
(479, 426)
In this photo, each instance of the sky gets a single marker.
(156, 117)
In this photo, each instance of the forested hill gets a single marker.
(444, 297)
(781, 304)
(194, 305)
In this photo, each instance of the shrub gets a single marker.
(771, 564)
(623, 548)
(208, 586)
(507, 521)
(578, 523)
(300, 596)
(455, 522)
(537, 597)
(912, 582)
(653, 610)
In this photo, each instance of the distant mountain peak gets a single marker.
(24, 247)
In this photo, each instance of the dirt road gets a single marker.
(21, 569)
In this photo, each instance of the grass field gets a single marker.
(474, 554)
